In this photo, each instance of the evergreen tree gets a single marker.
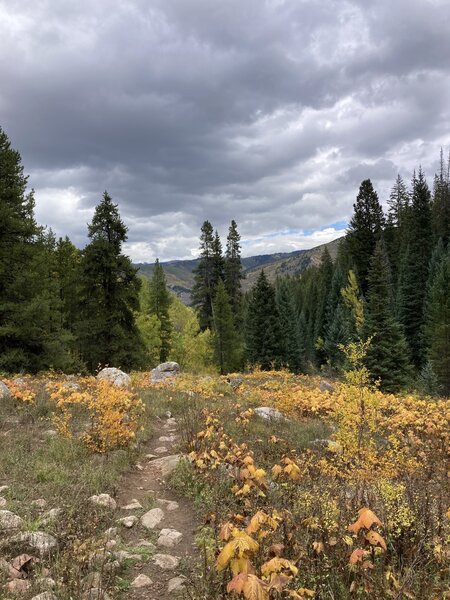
(438, 322)
(414, 270)
(290, 350)
(366, 228)
(205, 276)
(68, 269)
(110, 294)
(387, 356)
(325, 276)
(159, 305)
(441, 201)
(218, 262)
(398, 202)
(225, 338)
(396, 227)
(233, 270)
(262, 327)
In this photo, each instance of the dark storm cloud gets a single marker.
(267, 111)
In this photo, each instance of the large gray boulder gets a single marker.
(4, 391)
(164, 371)
(9, 520)
(114, 376)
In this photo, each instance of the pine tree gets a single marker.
(387, 356)
(262, 327)
(233, 270)
(204, 277)
(68, 269)
(414, 270)
(438, 322)
(366, 228)
(290, 350)
(159, 305)
(325, 276)
(396, 226)
(110, 294)
(441, 201)
(225, 338)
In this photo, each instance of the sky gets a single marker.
(269, 112)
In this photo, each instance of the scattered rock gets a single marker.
(3, 488)
(133, 505)
(45, 596)
(150, 456)
(169, 538)
(170, 505)
(266, 412)
(114, 376)
(96, 594)
(324, 386)
(176, 583)
(166, 561)
(160, 450)
(164, 371)
(166, 464)
(92, 580)
(5, 392)
(141, 581)
(235, 382)
(110, 544)
(9, 520)
(168, 414)
(152, 518)
(3, 502)
(50, 433)
(170, 423)
(38, 541)
(128, 521)
(145, 544)
(18, 586)
(104, 500)
(46, 583)
(51, 515)
(167, 438)
(111, 533)
(40, 503)
(139, 467)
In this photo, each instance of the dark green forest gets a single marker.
(77, 310)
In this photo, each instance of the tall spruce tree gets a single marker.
(262, 327)
(225, 338)
(205, 277)
(438, 321)
(441, 201)
(396, 226)
(110, 294)
(414, 270)
(366, 228)
(289, 343)
(325, 276)
(159, 302)
(233, 270)
(387, 356)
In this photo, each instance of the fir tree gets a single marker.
(387, 356)
(225, 338)
(233, 270)
(159, 304)
(204, 277)
(290, 350)
(325, 276)
(414, 269)
(262, 327)
(218, 262)
(366, 228)
(110, 294)
(441, 201)
(438, 322)
(397, 224)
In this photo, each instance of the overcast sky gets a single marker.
(270, 112)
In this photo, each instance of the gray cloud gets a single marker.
(266, 111)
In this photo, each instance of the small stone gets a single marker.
(5, 392)
(122, 555)
(128, 521)
(152, 518)
(171, 422)
(46, 583)
(18, 586)
(170, 505)
(324, 386)
(96, 594)
(268, 413)
(166, 464)
(176, 583)
(112, 566)
(51, 515)
(3, 502)
(45, 596)
(9, 520)
(3, 488)
(39, 541)
(166, 561)
(141, 581)
(145, 544)
(110, 544)
(50, 433)
(40, 503)
(133, 505)
(151, 456)
(161, 450)
(167, 438)
(92, 580)
(169, 538)
(104, 500)
(168, 414)
(114, 376)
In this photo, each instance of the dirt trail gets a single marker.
(148, 481)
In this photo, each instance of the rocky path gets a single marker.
(156, 527)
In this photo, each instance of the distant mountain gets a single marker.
(180, 276)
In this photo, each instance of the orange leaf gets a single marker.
(225, 531)
(278, 581)
(237, 583)
(358, 555)
(366, 519)
(255, 589)
(276, 549)
(375, 539)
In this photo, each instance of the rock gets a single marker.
(92, 580)
(145, 544)
(171, 423)
(168, 414)
(114, 376)
(9, 520)
(167, 438)
(139, 467)
(160, 450)
(133, 505)
(5, 392)
(45, 596)
(3, 488)
(39, 503)
(111, 533)
(110, 544)
(50, 433)
(18, 586)
(170, 505)
(166, 561)
(169, 538)
(141, 581)
(46, 582)
(164, 371)
(176, 583)
(96, 594)
(104, 500)
(122, 555)
(3, 502)
(266, 412)
(150, 456)
(324, 386)
(51, 515)
(39, 541)
(166, 464)
(72, 386)
(152, 518)
(128, 521)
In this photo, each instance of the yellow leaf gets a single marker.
(275, 565)
(225, 556)
(318, 547)
(255, 589)
(276, 470)
(237, 583)
(240, 565)
(225, 531)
